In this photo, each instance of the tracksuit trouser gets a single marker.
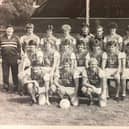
(14, 69)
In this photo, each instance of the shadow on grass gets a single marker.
(20, 100)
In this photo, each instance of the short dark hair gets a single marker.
(84, 25)
(9, 25)
(80, 42)
(50, 27)
(113, 25)
(99, 26)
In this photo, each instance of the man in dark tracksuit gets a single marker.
(10, 52)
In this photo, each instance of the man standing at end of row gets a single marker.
(11, 53)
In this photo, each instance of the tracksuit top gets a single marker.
(10, 48)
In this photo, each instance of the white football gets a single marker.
(65, 104)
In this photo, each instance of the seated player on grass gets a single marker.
(111, 64)
(64, 85)
(125, 69)
(95, 83)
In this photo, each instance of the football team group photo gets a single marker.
(70, 70)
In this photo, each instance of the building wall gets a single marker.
(109, 8)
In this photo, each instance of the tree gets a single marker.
(12, 11)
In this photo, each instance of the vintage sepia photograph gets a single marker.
(64, 63)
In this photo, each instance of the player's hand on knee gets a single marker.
(36, 83)
(53, 88)
(62, 89)
(84, 89)
(117, 75)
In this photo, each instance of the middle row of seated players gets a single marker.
(47, 69)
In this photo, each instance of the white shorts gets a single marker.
(112, 73)
(40, 90)
(78, 71)
(65, 90)
(125, 74)
(95, 90)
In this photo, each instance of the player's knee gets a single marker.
(53, 88)
(117, 77)
(46, 77)
(30, 87)
(123, 77)
(20, 76)
(76, 74)
(84, 90)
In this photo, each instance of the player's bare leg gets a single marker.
(103, 96)
(117, 89)
(123, 83)
(107, 89)
(31, 91)
(46, 92)
(74, 98)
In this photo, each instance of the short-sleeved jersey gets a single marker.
(112, 59)
(72, 42)
(81, 58)
(26, 38)
(56, 41)
(94, 78)
(101, 41)
(86, 39)
(67, 57)
(116, 38)
(65, 78)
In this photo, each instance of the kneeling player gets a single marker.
(44, 67)
(111, 64)
(40, 79)
(65, 86)
(94, 83)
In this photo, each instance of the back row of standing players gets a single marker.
(56, 65)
